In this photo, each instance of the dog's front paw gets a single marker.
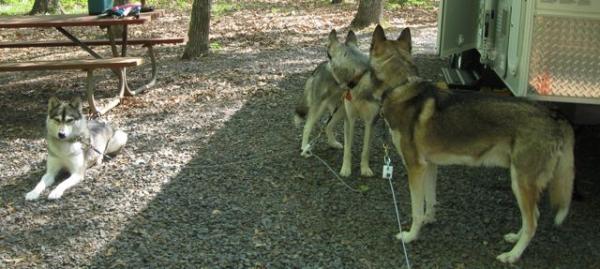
(335, 144)
(512, 237)
(508, 257)
(32, 195)
(366, 171)
(305, 151)
(55, 194)
(407, 237)
(345, 171)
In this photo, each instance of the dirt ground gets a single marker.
(212, 176)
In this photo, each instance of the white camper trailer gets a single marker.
(545, 50)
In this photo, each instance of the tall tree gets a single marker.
(369, 12)
(197, 44)
(46, 6)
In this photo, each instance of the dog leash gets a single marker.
(387, 173)
(310, 145)
(314, 141)
(80, 140)
(335, 174)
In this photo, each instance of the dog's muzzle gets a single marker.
(351, 84)
(62, 135)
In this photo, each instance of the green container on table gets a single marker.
(96, 7)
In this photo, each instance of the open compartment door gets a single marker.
(457, 26)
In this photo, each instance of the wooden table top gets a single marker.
(68, 20)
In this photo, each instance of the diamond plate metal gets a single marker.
(565, 57)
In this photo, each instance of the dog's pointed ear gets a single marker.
(53, 102)
(333, 37)
(378, 35)
(405, 39)
(377, 40)
(76, 103)
(351, 39)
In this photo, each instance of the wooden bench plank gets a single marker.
(60, 43)
(119, 62)
(118, 65)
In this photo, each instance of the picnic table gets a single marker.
(118, 62)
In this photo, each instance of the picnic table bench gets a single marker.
(88, 65)
(148, 43)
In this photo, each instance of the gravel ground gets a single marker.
(212, 176)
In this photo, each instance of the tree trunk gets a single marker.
(117, 30)
(46, 6)
(197, 44)
(369, 12)
(337, 1)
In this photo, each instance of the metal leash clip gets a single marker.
(388, 169)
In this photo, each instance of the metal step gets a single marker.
(459, 78)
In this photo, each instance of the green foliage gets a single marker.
(223, 7)
(220, 8)
(15, 7)
(73, 6)
(20, 7)
(396, 4)
(215, 46)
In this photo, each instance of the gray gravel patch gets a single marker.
(212, 178)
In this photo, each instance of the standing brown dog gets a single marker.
(432, 127)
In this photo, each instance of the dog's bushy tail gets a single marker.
(117, 142)
(300, 114)
(302, 108)
(561, 184)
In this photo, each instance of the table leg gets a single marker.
(89, 91)
(83, 45)
(90, 87)
(76, 41)
(121, 73)
(122, 83)
(150, 84)
(113, 44)
(124, 45)
(124, 53)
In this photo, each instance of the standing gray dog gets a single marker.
(326, 85)
(74, 144)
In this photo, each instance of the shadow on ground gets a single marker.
(247, 200)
